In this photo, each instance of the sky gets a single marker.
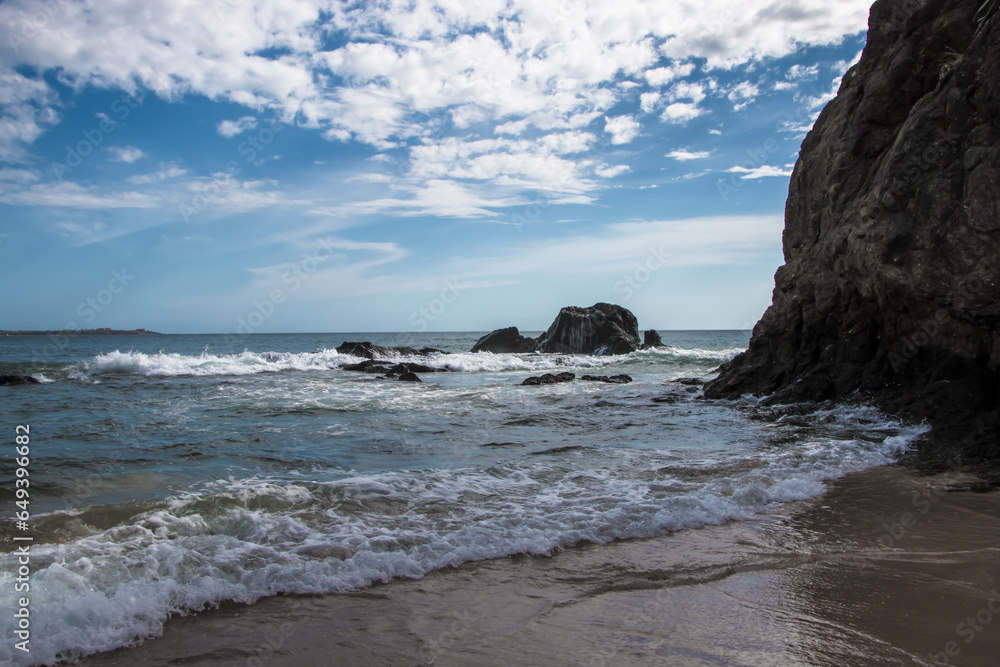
(219, 166)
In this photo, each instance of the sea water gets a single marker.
(170, 474)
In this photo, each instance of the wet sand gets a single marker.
(887, 568)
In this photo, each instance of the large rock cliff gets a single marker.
(889, 292)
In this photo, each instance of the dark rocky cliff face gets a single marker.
(889, 292)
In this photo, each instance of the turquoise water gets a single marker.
(171, 473)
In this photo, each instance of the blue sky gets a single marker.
(316, 166)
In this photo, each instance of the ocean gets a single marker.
(170, 474)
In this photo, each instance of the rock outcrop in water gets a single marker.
(892, 231)
(505, 341)
(15, 380)
(651, 339)
(368, 351)
(603, 328)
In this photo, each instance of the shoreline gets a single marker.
(887, 567)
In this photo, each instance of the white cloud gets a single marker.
(127, 154)
(221, 194)
(801, 72)
(623, 129)
(742, 94)
(662, 75)
(687, 91)
(535, 70)
(73, 195)
(648, 101)
(369, 178)
(539, 163)
(384, 253)
(230, 128)
(27, 109)
(169, 171)
(21, 176)
(514, 127)
(435, 197)
(611, 172)
(680, 113)
(535, 62)
(764, 171)
(683, 155)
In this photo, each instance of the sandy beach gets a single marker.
(887, 568)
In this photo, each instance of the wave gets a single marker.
(165, 364)
(249, 363)
(241, 540)
(695, 353)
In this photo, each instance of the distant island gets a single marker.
(76, 332)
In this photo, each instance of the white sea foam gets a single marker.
(249, 363)
(697, 353)
(244, 539)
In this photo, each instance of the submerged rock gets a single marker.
(603, 328)
(892, 237)
(369, 366)
(548, 378)
(613, 379)
(366, 350)
(505, 341)
(409, 376)
(369, 351)
(13, 380)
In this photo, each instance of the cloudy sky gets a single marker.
(317, 165)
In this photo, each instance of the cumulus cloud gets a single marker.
(127, 154)
(533, 61)
(611, 172)
(680, 113)
(424, 82)
(660, 76)
(623, 129)
(682, 155)
(742, 94)
(230, 128)
(648, 101)
(27, 109)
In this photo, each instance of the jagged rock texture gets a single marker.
(892, 230)
(603, 328)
